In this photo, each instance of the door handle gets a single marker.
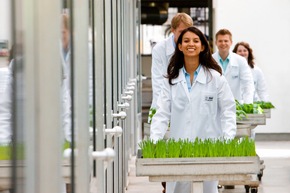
(130, 87)
(129, 92)
(116, 131)
(107, 154)
(121, 115)
(131, 84)
(124, 105)
(126, 97)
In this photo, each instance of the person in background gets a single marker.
(244, 49)
(163, 50)
(66, 73)
(195, 98)
(234, 68)
(6, 101)
(66, 77)
(161, 54)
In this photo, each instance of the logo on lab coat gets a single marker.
(208, 98)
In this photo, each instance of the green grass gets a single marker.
(265, 105)
(198, 148)
(6, 151)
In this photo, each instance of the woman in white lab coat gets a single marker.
(261, 93)
(196, 99)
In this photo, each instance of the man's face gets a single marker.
(65, 37)
(223, 42)
(178, 30)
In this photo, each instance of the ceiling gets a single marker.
(155, 12)
(181, 3)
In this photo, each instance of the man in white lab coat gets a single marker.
(161, 54)
(66, 75)
(163, 51)
(235, 68)
(5, 105)
(66, 82)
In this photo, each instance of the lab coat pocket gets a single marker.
(208, 105)
(179, 97)
(235, 73)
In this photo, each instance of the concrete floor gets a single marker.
(275, 179)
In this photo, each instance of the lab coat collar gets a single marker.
(232, 63)
(169, 46)
(182, 80)
(180, 77)
(201, 77)
(230, 57)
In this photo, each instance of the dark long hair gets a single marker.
(251, 55)
(205, 57)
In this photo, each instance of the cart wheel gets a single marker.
(247, 187)
(254, 190)
(260, 175)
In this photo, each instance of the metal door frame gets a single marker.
(42, 76)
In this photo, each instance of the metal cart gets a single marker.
(197, 170)
(244, 128)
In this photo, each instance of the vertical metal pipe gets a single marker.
(81, 85)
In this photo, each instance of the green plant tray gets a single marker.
(267, 113)
(6, 167)
(253, 119)
(193, 169)
(5, 151)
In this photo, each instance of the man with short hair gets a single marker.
(163, 51)
(235, 68)
(161, 54)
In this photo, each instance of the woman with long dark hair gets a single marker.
(196, 99)
(261, 93)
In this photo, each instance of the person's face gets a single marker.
(65, 37)
(243, 51)
(223, 42)
(178, 30)
(191, 44)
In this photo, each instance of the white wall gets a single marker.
(265, 25)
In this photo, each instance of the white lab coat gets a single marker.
(161, 55)
(66, 71)
(66, 90)
(239, 77)
(261, 93)
(5, 105)
(66, 96)
(208, 111)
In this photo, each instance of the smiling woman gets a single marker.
(195, 99)
(261, 91)
(191, 47)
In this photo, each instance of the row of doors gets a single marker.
(103, 90)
